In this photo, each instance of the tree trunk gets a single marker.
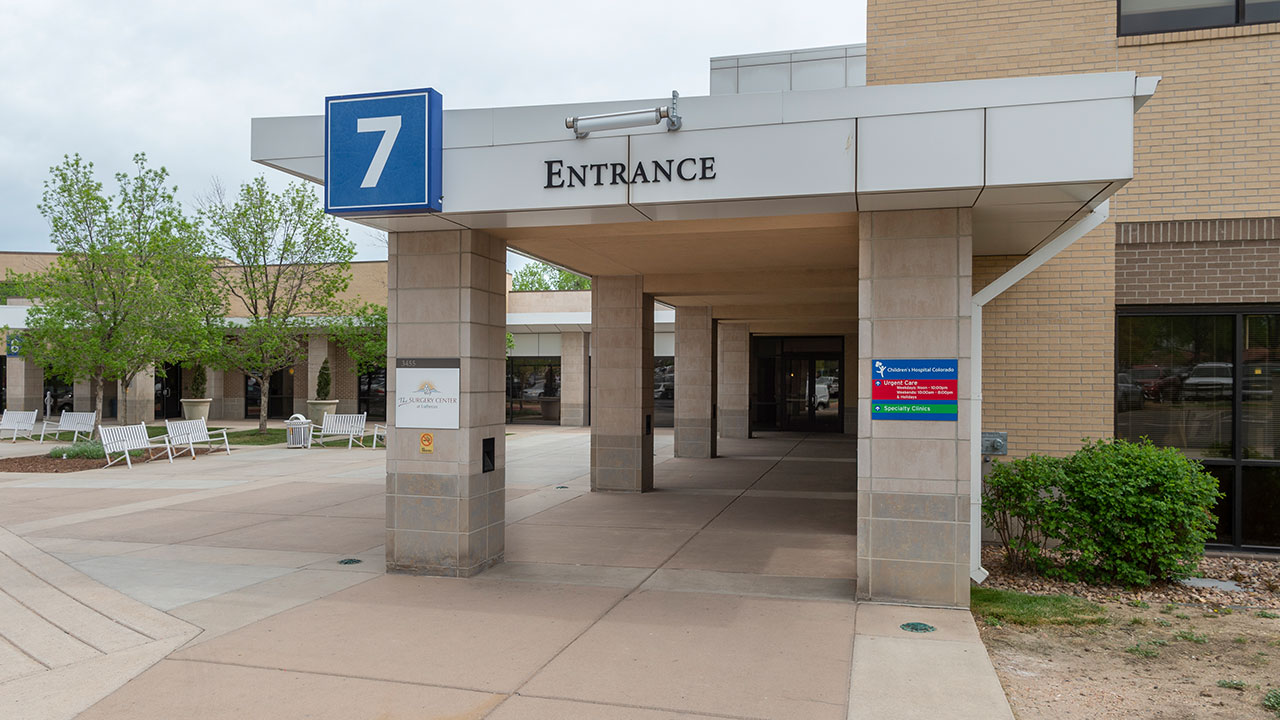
(122, 411)
(265, 384)
(97, 398)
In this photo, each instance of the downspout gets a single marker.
(1047, 251)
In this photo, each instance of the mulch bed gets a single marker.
(1260, 580)
(46, 464)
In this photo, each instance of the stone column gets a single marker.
(733, 394)
(214, 391)
(913, 476)
(575, 389)
(446, 509)
(621, 385)
(24, 385)
(849, 384)
(317, 351)
(142, 399)
(695, 435)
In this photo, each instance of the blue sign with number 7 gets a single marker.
(383, 153)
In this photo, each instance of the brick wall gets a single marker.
(1207, 146)
(1049, 350)
(1214, 261)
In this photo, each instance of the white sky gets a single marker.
(181, 80)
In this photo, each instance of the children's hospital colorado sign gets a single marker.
(914, 389)
(428, 393)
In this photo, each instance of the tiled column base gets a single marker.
(574, 388)
(733, 380)
(695, 435)
(913, 524)
(621, 385)
(445, 514)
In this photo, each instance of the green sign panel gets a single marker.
(905, 408)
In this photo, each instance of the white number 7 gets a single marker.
(390, 128)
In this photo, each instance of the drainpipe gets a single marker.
(1083, 227)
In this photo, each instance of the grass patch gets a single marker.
(1168, 608)
(1272, 701)
(271, 436)
(1163, 623)
(1142, 651)
(1232, 684)
(1182, 616)
(1266, 615)
(1139, 604)
(1014, 608)
(1190, 637)
(1137, 621)
(84, 450)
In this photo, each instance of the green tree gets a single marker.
(362, 332)
(540, 276)
(285, 264)
(323, 381)
(130, 285)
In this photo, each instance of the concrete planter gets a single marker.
(317, 408)
(196, 408)
(550, 408)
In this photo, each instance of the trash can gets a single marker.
(297, 431)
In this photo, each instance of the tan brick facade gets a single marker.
(1207, 147)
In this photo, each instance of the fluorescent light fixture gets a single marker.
(584, 125)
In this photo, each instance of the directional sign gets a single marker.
(914, 389)
(383, 153)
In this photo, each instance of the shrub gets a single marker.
(323, 381)
(199, 381)
(83, 450)
(1017, 503)
(1131, 513)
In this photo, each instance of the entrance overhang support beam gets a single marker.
(1046, 252)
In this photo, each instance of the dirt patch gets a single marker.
(1149, 663)
(46, 464)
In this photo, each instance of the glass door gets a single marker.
(168, 392)
(797, 394)
(811, 393)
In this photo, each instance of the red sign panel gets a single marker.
(920, 390)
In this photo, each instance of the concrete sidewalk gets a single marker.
(726, 593)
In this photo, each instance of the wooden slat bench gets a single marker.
(20, 422)
(348, 425)
(124, 439)
(72, 422)
(190, 432)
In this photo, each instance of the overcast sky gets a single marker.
(180, 80)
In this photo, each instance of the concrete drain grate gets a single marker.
(917, 627)
(350, 561)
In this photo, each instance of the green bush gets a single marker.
(199, 381)
(1017, 503)
(1113, 512)
(83, 450)
(1132, 513)
(323, 381)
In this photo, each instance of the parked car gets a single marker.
(831, 383)
(1261, 380)
(1158, 383)
(664, 391)
(1209, 381)
(1128, 393)
(821, 396)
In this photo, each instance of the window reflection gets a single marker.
(533, 389)
(1175, 382)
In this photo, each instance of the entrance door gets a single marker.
(169, 392)
(811, 393)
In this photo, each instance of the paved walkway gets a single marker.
(213, 588)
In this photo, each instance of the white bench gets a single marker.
(379, 431)
(72, 422)
(20, 422)
(190, 432)
(348, 425)
(124, 439)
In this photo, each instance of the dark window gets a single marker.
(1137, 17)
(280, 400)
(371, 395)
(664, 391)
(1208, 382)
(533, 390)
(58, 397)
